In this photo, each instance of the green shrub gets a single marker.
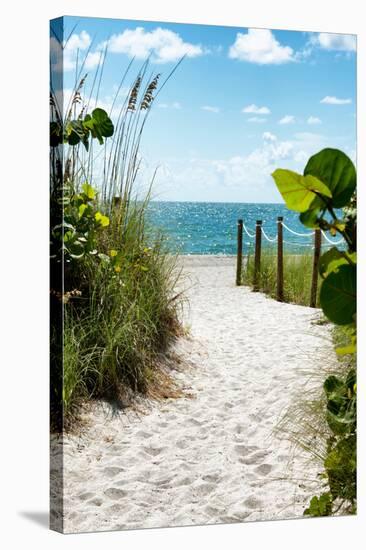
(116, 310)
(328, 183)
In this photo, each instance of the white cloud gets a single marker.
(256, 110)
(80, 41)
(93, 59)
(333, 41)
(287, 119)
(74, 50)
(256, 166)
(310, 142)
(260, 46)
(332, 100)
(245, 177)
(163, 44)
(235, 174)
(257, 119)
(314, 120)
(267, 136)
(210, 109)
(174, 105)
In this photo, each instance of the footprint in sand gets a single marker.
(264, 469)
(244, 450)
(143, 435)
(112, 471)
(211, 478)
(96, 501)
(116, 509)
(163, 424)
(204, 489)
(163, 482)
(85, 496)
(183, 481)
(114, 493)
(195, 422)
(249, 457)
(182, 444)
(252, 502)
(238, 429)
(153, 451)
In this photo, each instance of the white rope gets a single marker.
(310, 234)
(269, 239)
(296, 233)
(330, 240)
(247, 232)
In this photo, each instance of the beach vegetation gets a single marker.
(332, 186)
(117, 290)
(297, 275)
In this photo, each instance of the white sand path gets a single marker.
(211, 457)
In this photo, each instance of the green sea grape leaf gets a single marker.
(338, 295)
(69, 236)
(346, 350)
(332, 384)
(309, 218)
(55, 134)
(82, 209)
(320, 506)
(299, 191)
(335, 169)
(88, 191)
(333, 258)
(103, 220)
(330, 260)
(103, 122)
(99, 124)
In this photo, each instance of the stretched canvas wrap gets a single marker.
(203, 274)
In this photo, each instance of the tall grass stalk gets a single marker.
(297, 270)
(116, 323)
(304, 423)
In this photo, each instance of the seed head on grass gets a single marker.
(121, 311)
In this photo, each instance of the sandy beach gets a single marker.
(211, 455)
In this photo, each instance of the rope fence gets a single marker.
(294, 243)
(316, 246)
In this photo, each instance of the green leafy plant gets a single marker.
(327, 184)
(73, 130)
(320, 506)
(77, 235)
(114, 302)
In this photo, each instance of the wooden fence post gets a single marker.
(279, 259)
(314, 280)
(239, 256)
(257, 255)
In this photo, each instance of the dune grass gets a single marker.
(297, 270)
(113, 337)
(120, 307)
(305, 424)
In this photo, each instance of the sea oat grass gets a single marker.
(119, 298)
(297, 269)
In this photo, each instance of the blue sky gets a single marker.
(242, 103)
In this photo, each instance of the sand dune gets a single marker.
(209, 457)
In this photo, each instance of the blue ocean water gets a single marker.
(211, 228)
